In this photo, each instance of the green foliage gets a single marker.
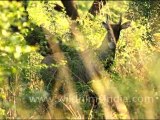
(12, 44)
(13, 48)
(25, 80)
(148, 13)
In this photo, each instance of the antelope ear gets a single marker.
(126, 25)
(105, 25)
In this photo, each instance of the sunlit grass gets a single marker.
(130, 90)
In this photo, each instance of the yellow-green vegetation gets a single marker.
(131, 87)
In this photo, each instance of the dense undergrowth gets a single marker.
(134, 74)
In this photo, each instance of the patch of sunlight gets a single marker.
(157, 36)
(8, 49)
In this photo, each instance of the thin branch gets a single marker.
(58, 8)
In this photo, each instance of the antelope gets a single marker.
(106, 52)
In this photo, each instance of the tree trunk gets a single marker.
(70, 9)
(96, 6)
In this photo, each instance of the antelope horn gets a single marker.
(120, 19)
(107, 17)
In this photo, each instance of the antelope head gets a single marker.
(114, 31)
(108, 46)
